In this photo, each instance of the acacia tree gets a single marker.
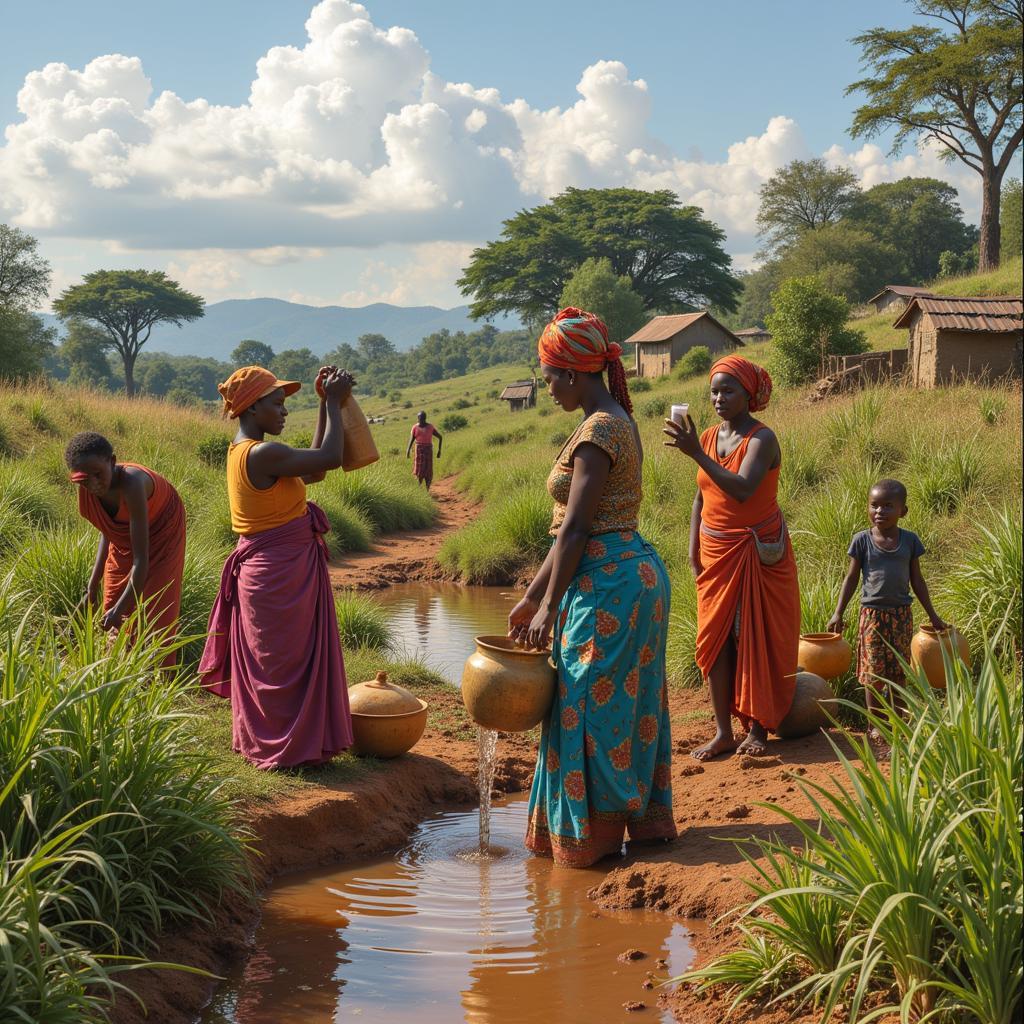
(958, 84)
(127, 304)
(673, 256)
(803, 196)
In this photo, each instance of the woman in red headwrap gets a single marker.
(748, 600)
(273, 646)
(603, 767)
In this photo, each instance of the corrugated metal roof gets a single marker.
(661, 328)
(905, 290)
(521, 389)
(752, 332)
(998, 314)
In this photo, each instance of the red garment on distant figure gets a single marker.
(734, 578)
(162, 589)
(423, 462)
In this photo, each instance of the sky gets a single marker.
(343, 154)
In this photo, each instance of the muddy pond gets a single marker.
(436, 934)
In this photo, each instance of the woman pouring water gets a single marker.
(604, 763)
(748, 600)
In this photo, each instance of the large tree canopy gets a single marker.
(804, 196)
(24, 274)
(671, 253)
(595, 287)
(956, 81)
(127, 304)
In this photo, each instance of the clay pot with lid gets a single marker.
(812, 700)
(506, 687)
(387, 720)
(926, 651)
(825, 654)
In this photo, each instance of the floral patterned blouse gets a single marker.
(619, 507)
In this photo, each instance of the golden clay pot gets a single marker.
(387, 720)
(926, 652)
(812, 698)
(505, 687)
(360, 449)
(825, 654)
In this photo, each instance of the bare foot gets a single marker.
(719, 745)
(756, 742)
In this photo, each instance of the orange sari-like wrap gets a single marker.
(737, 593)
(162, 589)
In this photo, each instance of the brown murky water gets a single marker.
(437, 621)
(436, 934)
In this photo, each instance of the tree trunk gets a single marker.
(129, 374)
(988, 241)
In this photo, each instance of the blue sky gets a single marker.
(362, 171)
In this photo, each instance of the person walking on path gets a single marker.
(273, 647)
(141, 520)
(423, 434)
(604, 762)
(887, 557)
(748, 598)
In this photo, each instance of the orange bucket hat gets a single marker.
(249, 384)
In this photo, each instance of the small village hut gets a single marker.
(749, 335)
(662, 341)
(958, 337)
(895, 297)
(520, 394)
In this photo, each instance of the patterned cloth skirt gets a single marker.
(604, 763)
(883, 637)
(423, 463)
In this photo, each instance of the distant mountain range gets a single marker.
(290, 325)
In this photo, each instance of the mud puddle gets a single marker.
(437, 934)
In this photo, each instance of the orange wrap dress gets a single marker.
(162, 590)
(737, 593)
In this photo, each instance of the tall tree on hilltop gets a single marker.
(673, 256)
(957, 83)
(127, 304)
(804, 196)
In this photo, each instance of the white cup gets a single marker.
(679, 413)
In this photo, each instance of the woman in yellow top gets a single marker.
(273, 646)
(604, 764)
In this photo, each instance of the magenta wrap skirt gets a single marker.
(273, 647)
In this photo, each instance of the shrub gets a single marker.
(452, 422)
(559, 437)
(395, 397)
(694, 361)
(990, 406)
(654, 409)
(461, 403)
(638, 385)
(502, 437)
(362, 622)
(213, 450)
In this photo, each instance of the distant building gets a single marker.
(521, 394)
(749, 335)
(664, 339)
(895, 297)
(957, 337)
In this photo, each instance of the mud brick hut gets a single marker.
(957, 337)
(749, 335)
(895, 297)
(520, 394)
(664, 339)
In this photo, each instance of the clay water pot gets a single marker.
(360, 449)
(812, 699)
(825, 654)
(926, 652)
(505, 687)
(387, 720)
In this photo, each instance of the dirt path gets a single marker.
(402, 557)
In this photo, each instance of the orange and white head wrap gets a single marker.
(578, 340)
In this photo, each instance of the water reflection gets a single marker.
(435, 935)
(438, 621)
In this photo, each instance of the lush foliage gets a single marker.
(1011, 219)
(672, 255)
(809, 323)
(906, 896)
(25, 342)
(595, 287)
(693, 361)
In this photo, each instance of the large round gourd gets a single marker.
(812, 699)
(825, 654)
(926, 652)
(505, 687)
(387, 720)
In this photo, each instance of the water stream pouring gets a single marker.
(487, 745)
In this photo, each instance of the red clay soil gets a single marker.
(699, 875)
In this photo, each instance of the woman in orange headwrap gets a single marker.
(604, 763)
(748, 600)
